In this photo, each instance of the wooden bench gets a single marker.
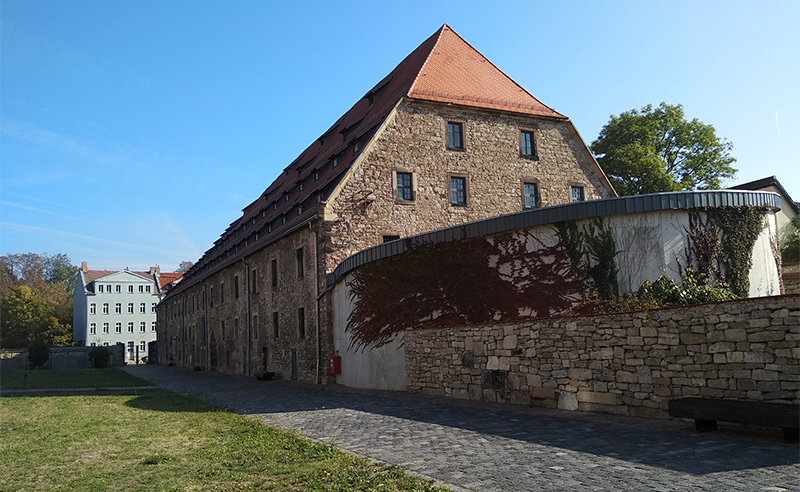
(707, 411)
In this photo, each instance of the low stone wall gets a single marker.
(791, 279)
(630, 364)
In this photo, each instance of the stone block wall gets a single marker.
(630, 364)
(791, 279)
(415, 141)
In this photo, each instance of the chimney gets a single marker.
(155, 269)
(84, 267)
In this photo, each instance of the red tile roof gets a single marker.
(165, 279)
(444, 68)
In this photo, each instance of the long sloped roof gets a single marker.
(444, 68)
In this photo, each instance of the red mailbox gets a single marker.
(335, 364)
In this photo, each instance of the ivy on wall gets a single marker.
(593, 250)
(720, 243)
(509, 276)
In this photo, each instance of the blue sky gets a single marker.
(133, 132)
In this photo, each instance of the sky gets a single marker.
(132, 133)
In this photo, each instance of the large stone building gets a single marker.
(445, 138)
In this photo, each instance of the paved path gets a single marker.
(491, 447)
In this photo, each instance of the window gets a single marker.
(527, 145)
(530, 193)
(130, 326)
(118, 308)
(222, 326)
(105, 308)
(211, 296)
(455, 139)
(153, 307)
(458, 190)
(130, 346)
(300, 269)
(153, 326)
(142, 308)
(274, 273)
(577, 194)
(254, 280)
(105, 344)
(130, 289)
(119, 289)
(92, 308)
(118, 327)
(301, 322)
(141, 289)
(147, 289)
(221, 292)
(404, 187)
(255, 326)
(130, 308)
(142, 346)
(275, 331)
(235, 286)
(99, 288)
(387, 238)
(92, 328)
(105, 328)
(142, 327)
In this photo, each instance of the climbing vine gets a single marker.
(508, 276)
(593, 250)
(720, 246)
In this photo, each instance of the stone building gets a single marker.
(445, 138)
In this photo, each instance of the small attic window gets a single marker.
(274, 205)
(319, 197)
(335, 161)
(316, 176)
(300, 186)
(300, 209)
(356, 147)
(286, 197)
(283, 220)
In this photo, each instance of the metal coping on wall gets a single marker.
(559, 213)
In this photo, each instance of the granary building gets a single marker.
(446, 138)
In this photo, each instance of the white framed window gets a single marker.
(105, 328)
(153, 306)
(147, 288)
(130, 308)
(130, 326)
(92, 308)
(119, 289)
(141, 289)
(130, 347)
(92, 328)
(118, 327)
(118, 308)
(100, 288)
(130, 289)
(142, 346)
(105, 308)
(153, 326)
(142, 327)
(142, 308)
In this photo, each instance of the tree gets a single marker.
(36, 299)
(184, 267)
(656, 150)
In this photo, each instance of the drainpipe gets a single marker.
(320, 365)
(249, 327)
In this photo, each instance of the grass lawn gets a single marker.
(156, 440)
(87, 378)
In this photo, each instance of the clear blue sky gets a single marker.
(133, 132)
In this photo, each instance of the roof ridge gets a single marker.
(438, 35)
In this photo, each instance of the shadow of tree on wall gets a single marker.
(508, 277)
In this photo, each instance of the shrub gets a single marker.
(38, 353)
(100, 357)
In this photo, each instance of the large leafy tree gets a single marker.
(36, 299)
(654, 150)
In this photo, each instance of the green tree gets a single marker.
(656, 150)
(22, 317)
(790, 241)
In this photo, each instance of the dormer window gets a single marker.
(300, 186)
(316, 176)
(335, 162)
(356, 147)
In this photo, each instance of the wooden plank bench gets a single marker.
(707, 411)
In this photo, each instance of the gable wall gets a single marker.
(365, 208)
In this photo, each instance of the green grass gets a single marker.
(88, 378)
(156, 440)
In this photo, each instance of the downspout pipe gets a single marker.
(249, 326)
(320, 365)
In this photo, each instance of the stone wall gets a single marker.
(630, 364)
(414, 141)
(791, 279)
(61, 358)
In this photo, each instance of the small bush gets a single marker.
(38, 353)
(100, 357)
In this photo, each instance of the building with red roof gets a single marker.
(444, 139)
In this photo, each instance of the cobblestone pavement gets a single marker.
(494, 447)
